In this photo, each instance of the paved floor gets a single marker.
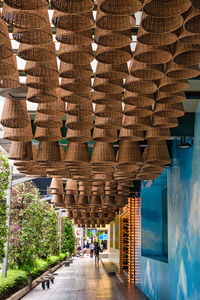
(81, 281)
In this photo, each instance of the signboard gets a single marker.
(93, 231)
(79, 232)
(103, 237)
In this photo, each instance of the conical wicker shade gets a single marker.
(136, 123)
(21, 151)
(5, 44)
(158, 39)
(48, 134)
(42, 96)
(195, 4)
(27, 4)
(152, 168)
(191, 22)
(112, 72)
(77, 153)
(164, 122)
(108, 86)
(69, 200)
(14, 114)
(157, 134)
(121, 200)
(71, 186)
(113, 39)
(169, 85)
(131, 110)
(162, 97)
(102, 110)
(72, 6)
(74, 97)
(73, 38)
(42, 83)
(139, 100)
(187, 54)
(95, 201)
(169, 110)
(76, 54)
(129, 153)
(9, 81)
(75, 71)
(104, 98)
(152, 54)
(113, 122)
(23, 18)
(102, 177)
(109, 200)
(19, 134)
(48, 152)
(155, 24)
(42, 52)
(181, 72)
(44, 120)
(84, 107)
(8, 65)
(116, 56)
(129, 167)
(119, 7)
(41, 69)
(74, 22)
(105, 135)
(82, 88)
(83, 135)
(79, 122)
(83, 200)
(103, 153)
(56, 183)
(157, 153)
(127, 134)
(146, 71)
(52, 108)
(165, 8)
(57, 200)
(186, 37)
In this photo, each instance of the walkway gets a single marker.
(80, 281)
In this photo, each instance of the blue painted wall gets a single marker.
(179, 279)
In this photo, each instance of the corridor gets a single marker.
(80, 281)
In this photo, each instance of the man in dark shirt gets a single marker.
(96, 251)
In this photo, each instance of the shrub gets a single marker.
(63, 256)
(53, 260)
(69, 240)
(15, 280)
(38, 268)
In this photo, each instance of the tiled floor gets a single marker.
(81, 281)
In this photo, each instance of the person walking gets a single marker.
(91, 249)
(96, 251)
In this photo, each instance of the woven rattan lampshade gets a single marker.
(162, 97)
(21, 151)
(72, 6)
(187, 37)
(44, 120)
(42, 52)
(57, 200)
(80, 87)
(48, 152)
(105, 135)
(114, 109)
(108, 86)
(157, 134)
(195, 4)
(14, 114)
(56, 183)
(19, 134)
(165, 8)
(9, 81)
(75, 71)
(136, 123)
(76, 54)
(146, 71)
(169, 85)
(155, 24)
(152, 54)
(139, 100)
(116, 56)
(191, 22)
(85, 107)
(157, 153)
(79, 122)
(69, 200)
(115, 39)
(77, 153)
(8, 66)
(103, 153)
(121, 200)
(127, 134)
(52, 108)
(129, 153)
(27, 4)
(131, 110)
(51, 134)
(164, 122)
(41, 69)
(181, 72)
(42, 82)
(187, 54)
(82, 136)
(95, 201)
(109, 200)
(119, 7)
(42, 96)
(83, 200)
(112, 72)
(114, 22)
(73, 38)
(104, 98)
(169, 110)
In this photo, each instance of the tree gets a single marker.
(68, 240)
(4, 182)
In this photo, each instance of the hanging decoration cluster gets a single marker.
(137, 94)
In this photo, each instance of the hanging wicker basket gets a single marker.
(138, 100)
(187, 54)
(108, 110)
(146, 71)
(104, 98)
(191, 22)
(169, 85)
(131, 110)
(129, 153)
(27, 4)
(8, 66)
(42, 83)
(48, 152)
(164, 122)
(47, 134)
(21, 151)
(181, 72)
(79, 122)
(115, 56)
(157, 134)
(9, 81)
(74, 38)
(136, 123)
(103, 153)
(138, 85)
(82, 136)
(111, 72)
(128, 134)
(81, 87)
(79, 108)
(15, 114)
(157, 153)
(42, 69)
(186, 37)
(113, 122)
(37, 52)
(169, 110)
(108, 86)
(73, 6)
(42, 96)
(195, 4)
(77, 153)
(76, 54)
(83, 72)
(44, 120)
(113, 39)
(162, 97)
(52, 108)
(71, 97)
(119, 7)
(105, 135)
(165, 8)
(19, 134)
(152, 54)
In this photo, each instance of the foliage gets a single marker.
(39, 266)
(53, 260)
(15, 280)
(4, 182)
(69, 241)
(89, 233)
(63, 256)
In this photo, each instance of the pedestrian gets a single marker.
(96, 251)
(91, 249)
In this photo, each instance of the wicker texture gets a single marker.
(164, 122)
(192, 21)
(169, 85)
(136, 123)
(21, 151)
(129, 153)
(42, 69)
(73, 38)
(162, 97)
(127, 134)
(195, 4)
(115, 56)
(79, 108)
(75, 71)
(9, 81)
(42, 52)
(47, 134)
(131, 110)
(82, 136)
(108, 110)
(169, 110)
(14, 114)
(56, 184)
(27, 4)
(19, 134)
(113, 122)
(8, 66)
(105, 135)
(165, 8)
(138, 100)
(146, 71)
(157, 153)
(119, 7)
(138, 85)
(187, 54)
(52, 108)
(111, 72)
(103, 153)
(77, 153)
(42, 83)
(108, 86)
(42, 96)
(113, 39)
(72, 6)
(48, 152)
(157, 134)
(79, 122)
(181, 72)
(44, 120)
(76, 54)
(186, 37)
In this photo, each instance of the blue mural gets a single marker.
(179, 279)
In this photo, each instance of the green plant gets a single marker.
(68, 241)
(4, 181)
(39, 266)
(53, 260)
(15, 280)
(63, 256)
